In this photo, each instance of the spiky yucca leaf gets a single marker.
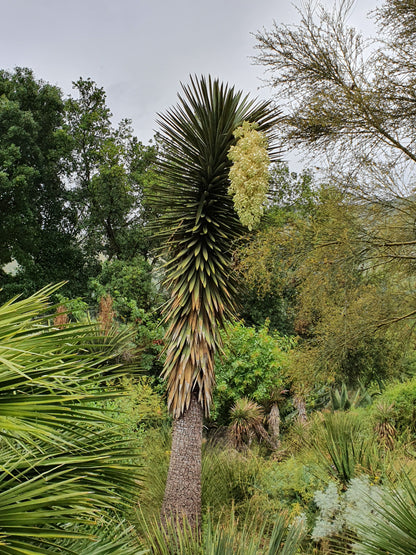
(247, 418)
(198, 225)
(232, 538)
(392, 528)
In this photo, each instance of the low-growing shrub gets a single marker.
(402, 397)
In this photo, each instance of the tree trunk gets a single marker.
(183, 486)
(300, 405)
(274, 424)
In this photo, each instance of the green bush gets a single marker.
(403, 398)
(292, 483)
(134, 297)
(125, 281)
(141, 407)
(228, 479)
(252, 364)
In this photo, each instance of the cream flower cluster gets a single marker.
(249, 174)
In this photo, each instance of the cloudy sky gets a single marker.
(140, 50)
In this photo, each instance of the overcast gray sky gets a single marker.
(140, 50)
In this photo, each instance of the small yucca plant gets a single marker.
(247, 419)
(344, 447)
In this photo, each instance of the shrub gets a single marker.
(228, 479)
(402, 397)
(292, 483)
(342, 512)
(141, 406)
(345, 447)
(253, 364)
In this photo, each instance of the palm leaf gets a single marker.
(64, 463)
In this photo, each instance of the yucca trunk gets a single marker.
(274, 424)
(183, 487)
(300, 406)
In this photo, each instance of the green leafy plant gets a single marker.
(64, 464)
(292, 483)
(253, 364)
(402, 397)
(344, 447)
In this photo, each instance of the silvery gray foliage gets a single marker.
(345, 511)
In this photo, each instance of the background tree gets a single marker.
(110, 169)
(341, 90)
(36, 226)
(71, 186)
(342, 304)
(268, 283)
(198, 224)
(352, 101)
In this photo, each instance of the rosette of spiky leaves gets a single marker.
(247, 418)
(197, 224)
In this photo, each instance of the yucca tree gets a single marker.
(65, 468)
(197, 225)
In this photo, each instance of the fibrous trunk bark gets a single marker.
(182, 499)
(274, 424)
(300, 405)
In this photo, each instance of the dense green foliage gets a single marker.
(71, 186)
(37, 223)
(253, 363)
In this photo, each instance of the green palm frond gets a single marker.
(198, 224)
(63, 462)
